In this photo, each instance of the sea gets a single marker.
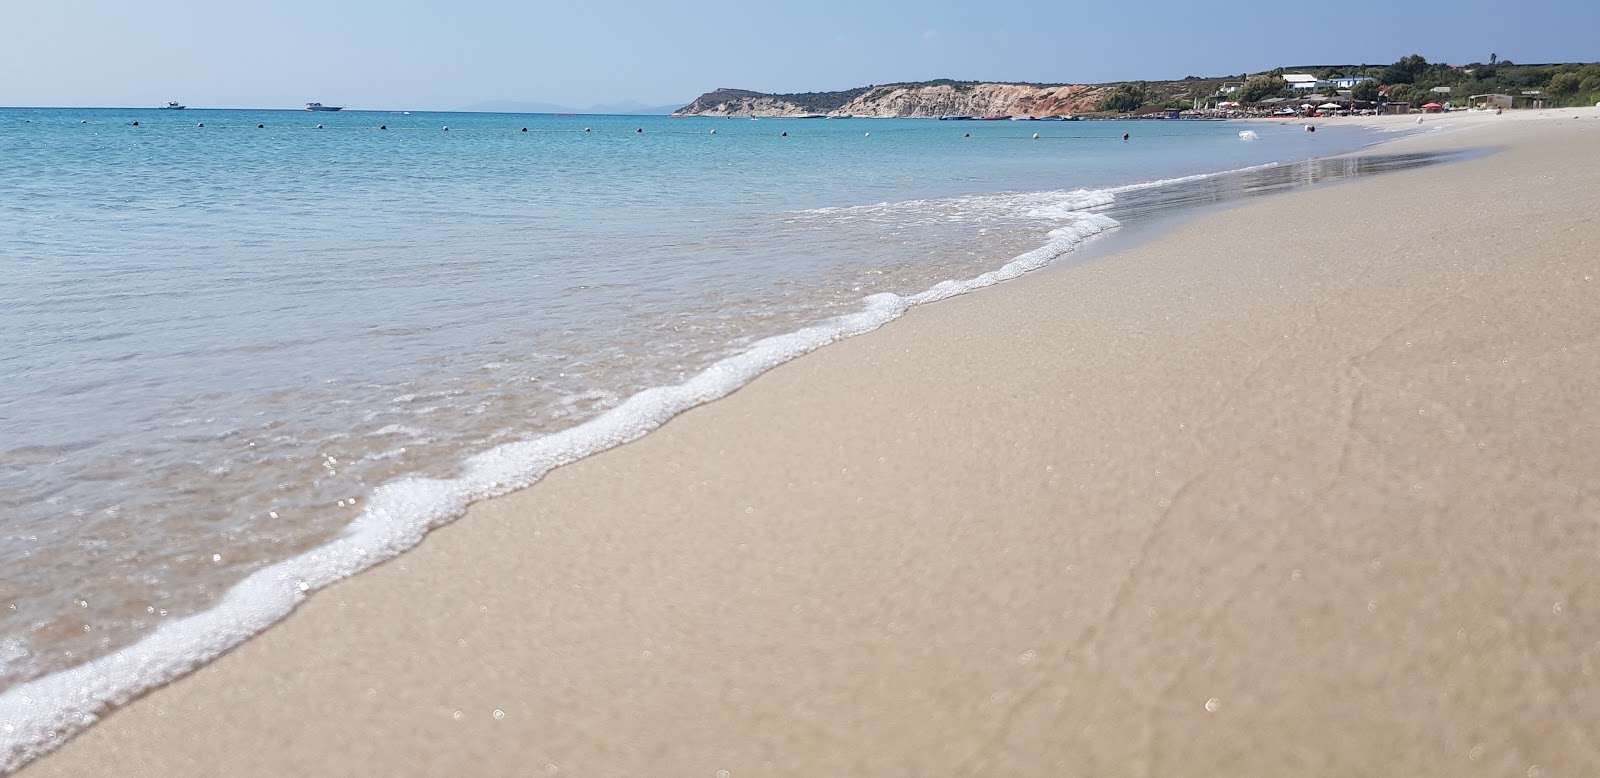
(246, 354)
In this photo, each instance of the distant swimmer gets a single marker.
(261, 126)
(524, 129)
(868, 135)
(713, 132)
(641, 129)
(786, 134)
(136, 124)
(202, 124)
(1311, 128)
(383, 126)
(966, 134)
(586, 129)
(446, 128)
(319, 126)
(1036, 136)
(1124, 136)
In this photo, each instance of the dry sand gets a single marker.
(1219, 504)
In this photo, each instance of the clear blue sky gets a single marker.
(445, 55)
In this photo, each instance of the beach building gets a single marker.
(1342, 83)
(1492, 101)
(1300, 80)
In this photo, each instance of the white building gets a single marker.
(1345, 83)
(1300, 80)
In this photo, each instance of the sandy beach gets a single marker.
(1221, 503)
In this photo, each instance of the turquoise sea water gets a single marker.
(222, 343)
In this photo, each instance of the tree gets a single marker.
(1406, 70)
(1565, 84)
(1257, 89)
(1366, 91)
(1125, 97)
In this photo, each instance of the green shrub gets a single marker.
(1125, 97)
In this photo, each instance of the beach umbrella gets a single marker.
(1330, 105)
(1432, 105)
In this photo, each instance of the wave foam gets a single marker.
(38, 716)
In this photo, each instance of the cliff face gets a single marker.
(908, 101)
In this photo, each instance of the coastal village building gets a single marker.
(1306, 81)
(1344, 83)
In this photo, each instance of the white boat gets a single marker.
(173, 106)
(321, 107)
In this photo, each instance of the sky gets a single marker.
(403, 54)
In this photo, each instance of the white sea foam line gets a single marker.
(38, 716)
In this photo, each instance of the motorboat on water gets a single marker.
(172, 105)
(321, 107)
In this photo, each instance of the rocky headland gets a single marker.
(917, 101)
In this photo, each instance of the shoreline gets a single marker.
(263, 657)
(406, 509)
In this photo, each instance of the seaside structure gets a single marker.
(1504, 102)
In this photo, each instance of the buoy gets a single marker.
(1419, 120)
(446, 128)
(586, 129)
(868, 135)
(1036, 136)
(86, 121)
(713, 132)
(319, 126)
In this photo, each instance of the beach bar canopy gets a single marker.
(1330, 105)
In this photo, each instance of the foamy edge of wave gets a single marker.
(38, 716)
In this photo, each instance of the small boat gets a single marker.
(173, 106)
(321, 107)
(843, 116)
(809, 116)
(995, 118)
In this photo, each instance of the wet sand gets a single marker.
(1308, 486)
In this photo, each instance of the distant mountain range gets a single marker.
(626, 107)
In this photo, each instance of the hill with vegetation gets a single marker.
(1410, 79)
